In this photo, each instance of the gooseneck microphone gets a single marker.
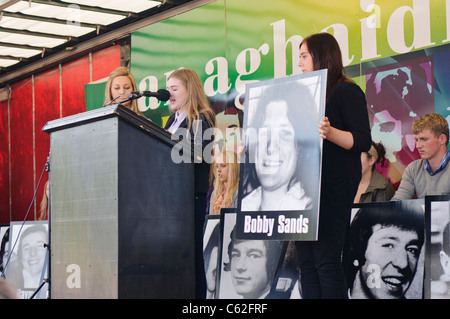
(162, 94)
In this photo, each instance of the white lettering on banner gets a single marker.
(447, 17)
(292, 225)
(221, 78)
(369, 28)
(264, 225)
(241, 67)
(258, 225)
(249, 60)
(279, 50)
(153, 87)
(422, 28)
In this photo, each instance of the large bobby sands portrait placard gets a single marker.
(280, 172)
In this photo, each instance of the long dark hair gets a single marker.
(326, 54)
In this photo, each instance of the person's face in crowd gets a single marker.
(33, 252)
(306, 62)
(121, 85)
(211, 272)
(222, 170)
(427, 144)
(276, 156)
(391, 261)
(367, 162)
(178, 94)
(248, 268)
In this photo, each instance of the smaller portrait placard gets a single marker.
(246, 267)
(437, 265)
(385, 255)
(28, 260)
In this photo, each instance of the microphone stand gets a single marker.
(44, 281)
(131, 96)
(47, 254)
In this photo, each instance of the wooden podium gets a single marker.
(121, 211)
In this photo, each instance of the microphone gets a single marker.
(162, 95)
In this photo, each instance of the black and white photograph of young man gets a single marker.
(385, 254)
(247, 267)
(28, 261)
(281, 166)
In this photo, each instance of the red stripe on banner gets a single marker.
(105, 61)
(74, 76)
(4, 163)
(47, 108)
(21, 114)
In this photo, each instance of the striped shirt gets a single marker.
(442, 164)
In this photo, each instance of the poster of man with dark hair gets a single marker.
(281, 167)
(385, 254)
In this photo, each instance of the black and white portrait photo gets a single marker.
(437, 283)
(28, 261)
(211, 241)
(280, 171)
(4, 248)
(385, 254)
(247, 267)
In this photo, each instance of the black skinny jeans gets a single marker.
(321, 271)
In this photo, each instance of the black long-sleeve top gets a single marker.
(346, 110)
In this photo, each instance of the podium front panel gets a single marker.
(156, 219)
(84, 211)
(122, 213)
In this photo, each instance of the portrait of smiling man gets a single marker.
(252, 264)
(246, 268)
(282, 148)
(385, 245)
(28, 264)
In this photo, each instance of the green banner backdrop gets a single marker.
(232, 42)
